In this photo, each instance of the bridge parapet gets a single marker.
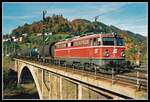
(54, 83)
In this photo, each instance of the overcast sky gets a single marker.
(127, 16)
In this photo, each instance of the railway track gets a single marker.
(130, 78)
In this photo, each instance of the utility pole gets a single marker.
(44, 13)
(14, 48)
(6, 50)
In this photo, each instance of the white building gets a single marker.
(20, 39)
(50, 33)
(25, 34)
(15, 40)
(6, 39)
(39, 34)
(13, 37)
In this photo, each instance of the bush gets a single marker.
(9, 79)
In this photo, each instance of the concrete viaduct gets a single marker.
(54, 83)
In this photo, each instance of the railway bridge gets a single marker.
(54, 83)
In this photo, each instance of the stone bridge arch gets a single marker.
(32, 71)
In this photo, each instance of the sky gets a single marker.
(132, 16)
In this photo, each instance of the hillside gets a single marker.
(57, 24)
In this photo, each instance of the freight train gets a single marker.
(96, 52)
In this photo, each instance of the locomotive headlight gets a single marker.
(123, 53)
(106, 53)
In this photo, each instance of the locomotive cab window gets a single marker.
(94, 41)
(108, 41)
(119, 42)
(71, 43)
(91, 42)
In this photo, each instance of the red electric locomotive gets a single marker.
(97, 51)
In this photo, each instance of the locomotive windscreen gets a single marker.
(108, 41)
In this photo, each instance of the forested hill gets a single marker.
(57, 24)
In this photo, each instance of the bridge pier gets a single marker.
(60, 87)
(49, 92)
(79, 91)
(42, 83)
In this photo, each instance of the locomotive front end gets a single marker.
(113, 54)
